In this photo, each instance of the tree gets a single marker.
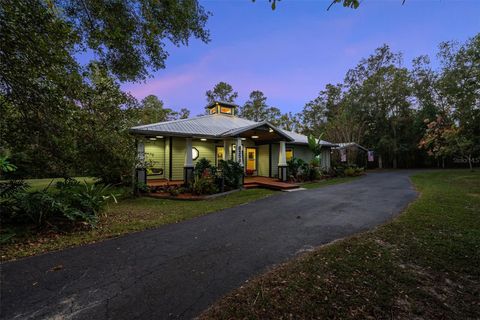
(316, 112)
(42, 84)
(256, 109)
(289, 121)
(443, 138)
(105, 147)
(222, 91)
(460, 85)
(379, 94)
(354, 4)
(151, 110)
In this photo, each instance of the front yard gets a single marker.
(423, 265)
(129, 215)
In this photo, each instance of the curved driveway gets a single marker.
(178, 270)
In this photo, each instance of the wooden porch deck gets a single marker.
(270, 183)
(249, 183)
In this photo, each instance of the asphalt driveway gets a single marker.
(178, 270)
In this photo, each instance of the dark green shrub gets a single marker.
(349, 172)
(142, 187)
(232, 174)
(41, 206)
(204, 185)
(294, 167)
(71, 201)
(90, 200)
(204, 166)
(8, 203)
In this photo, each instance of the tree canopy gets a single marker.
(222, 91)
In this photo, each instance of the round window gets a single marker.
(195, 153)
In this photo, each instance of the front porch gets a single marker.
(249, 183)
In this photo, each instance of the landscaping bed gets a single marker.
(187, 195)
(423, 265)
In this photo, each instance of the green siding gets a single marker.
(159, 152)
(275, 148)
(263, 160)
(325, 159)
(178, 158)
(206, 149)
(155, 153)
(301, 152)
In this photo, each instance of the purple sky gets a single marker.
(292, 52)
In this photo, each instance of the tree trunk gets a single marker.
(470, 162)
(380, 161)
(443, 162)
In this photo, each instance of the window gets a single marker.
(195, 153)
(226, 110)
(289, 153)
(219, 152)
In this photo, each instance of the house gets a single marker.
(172, 148)
(350, 153)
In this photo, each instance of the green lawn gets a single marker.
(40, 184)
(425, 264)
(128, 215)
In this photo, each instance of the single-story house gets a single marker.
(172, 148)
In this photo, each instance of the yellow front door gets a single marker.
(251, 160)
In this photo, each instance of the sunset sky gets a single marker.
(293, 52)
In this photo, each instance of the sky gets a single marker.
(291, 53)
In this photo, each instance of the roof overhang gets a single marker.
(263, 130)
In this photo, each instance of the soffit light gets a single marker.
(243, 139)
(153, 139)
(203, 139)
(160, 137)
(254, 137)
(270, 130)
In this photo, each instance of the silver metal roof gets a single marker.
(345, 145)
(214, 126)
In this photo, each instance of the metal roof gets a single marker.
(228, 104)
(345, 145)
(215, 126)
(238, 131)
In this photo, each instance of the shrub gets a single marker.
(232, 173)
(72, 201)
(204, 185)
(204, 165)
(349, 172)
(300, 170)
(295, 166)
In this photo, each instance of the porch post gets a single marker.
(282, 162)
(141, 171)
(226, 150)
(239, 152)
(188, 165)
(239, 156)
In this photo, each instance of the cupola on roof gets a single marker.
(221, 107)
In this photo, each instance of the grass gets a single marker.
(40, 184)
(127, 216)
(425, 264)
(327, 182)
